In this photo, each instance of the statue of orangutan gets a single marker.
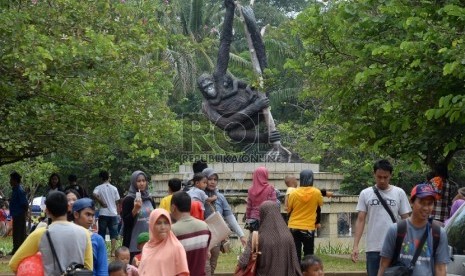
(229, 103)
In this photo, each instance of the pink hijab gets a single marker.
(162, 257)
(260, 187)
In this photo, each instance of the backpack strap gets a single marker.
(401, 231)
(436, 235)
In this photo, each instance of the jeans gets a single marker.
(373, 259)
(111, 223)
(305, 238)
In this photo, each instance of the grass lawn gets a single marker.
(226, 262)
(332, 263)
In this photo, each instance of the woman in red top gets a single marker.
(260, 191)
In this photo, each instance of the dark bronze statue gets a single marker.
(230, 103)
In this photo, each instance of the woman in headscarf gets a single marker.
(276, 244)
(136, 211)
(455, 206)
(163, 254)
(260, 191)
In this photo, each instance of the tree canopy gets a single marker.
(84, 79)
(391, 74)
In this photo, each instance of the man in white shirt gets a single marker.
(370, 207)
(107, 196)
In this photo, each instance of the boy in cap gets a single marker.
(431, 261)
(84, 212)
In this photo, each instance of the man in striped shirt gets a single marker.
(191, 232)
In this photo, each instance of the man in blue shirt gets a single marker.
(84, 212)
(18, 211)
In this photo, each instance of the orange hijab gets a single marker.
(162, 257)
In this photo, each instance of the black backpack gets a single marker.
(402, 231)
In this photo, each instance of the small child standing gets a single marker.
(174, 185)
(117, 268)
(122, 254)
(312, 266)
(197, 192)
(142, 239)
(291, 183)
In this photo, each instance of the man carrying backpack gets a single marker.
(404, 237)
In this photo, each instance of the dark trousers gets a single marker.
(19, 231)
(305, 238)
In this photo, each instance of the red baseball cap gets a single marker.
(424, 190)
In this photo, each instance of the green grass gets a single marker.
(6, 245)
(335, 259)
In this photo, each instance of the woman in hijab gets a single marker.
(135, 213)
(276, 244)
(163, 254)
(455, 206)
(260, 191)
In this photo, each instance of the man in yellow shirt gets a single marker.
(71, 241)
(302, 207)
(174, 185)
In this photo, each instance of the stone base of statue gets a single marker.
(338, 212)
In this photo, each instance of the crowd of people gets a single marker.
(174, 239)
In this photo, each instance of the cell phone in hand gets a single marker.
(138, 196)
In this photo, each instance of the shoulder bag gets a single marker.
(218, 228)
(398, 268)
(381, 199)
(71, 269)
(251, 268)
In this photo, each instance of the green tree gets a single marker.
(388, 75)
(83, 79)
(34, 172)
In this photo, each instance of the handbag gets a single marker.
(399, 269)
(71, 269)
(251, 268)
(225, 247)
(218, 228)
(252, 224)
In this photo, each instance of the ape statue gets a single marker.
(229, 103)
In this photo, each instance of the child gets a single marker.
(174, 185)
(117, 268)
(142, 239)
(198, 191)
(122, 254)
(291, 183)
(311, 266)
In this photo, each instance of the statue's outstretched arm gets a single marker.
(225, 41)
(255, 35)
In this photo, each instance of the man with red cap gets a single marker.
(431, 261)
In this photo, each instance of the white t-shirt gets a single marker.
(108, 194)
(378, 219)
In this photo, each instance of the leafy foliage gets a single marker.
(387, 72)
(83, 80)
